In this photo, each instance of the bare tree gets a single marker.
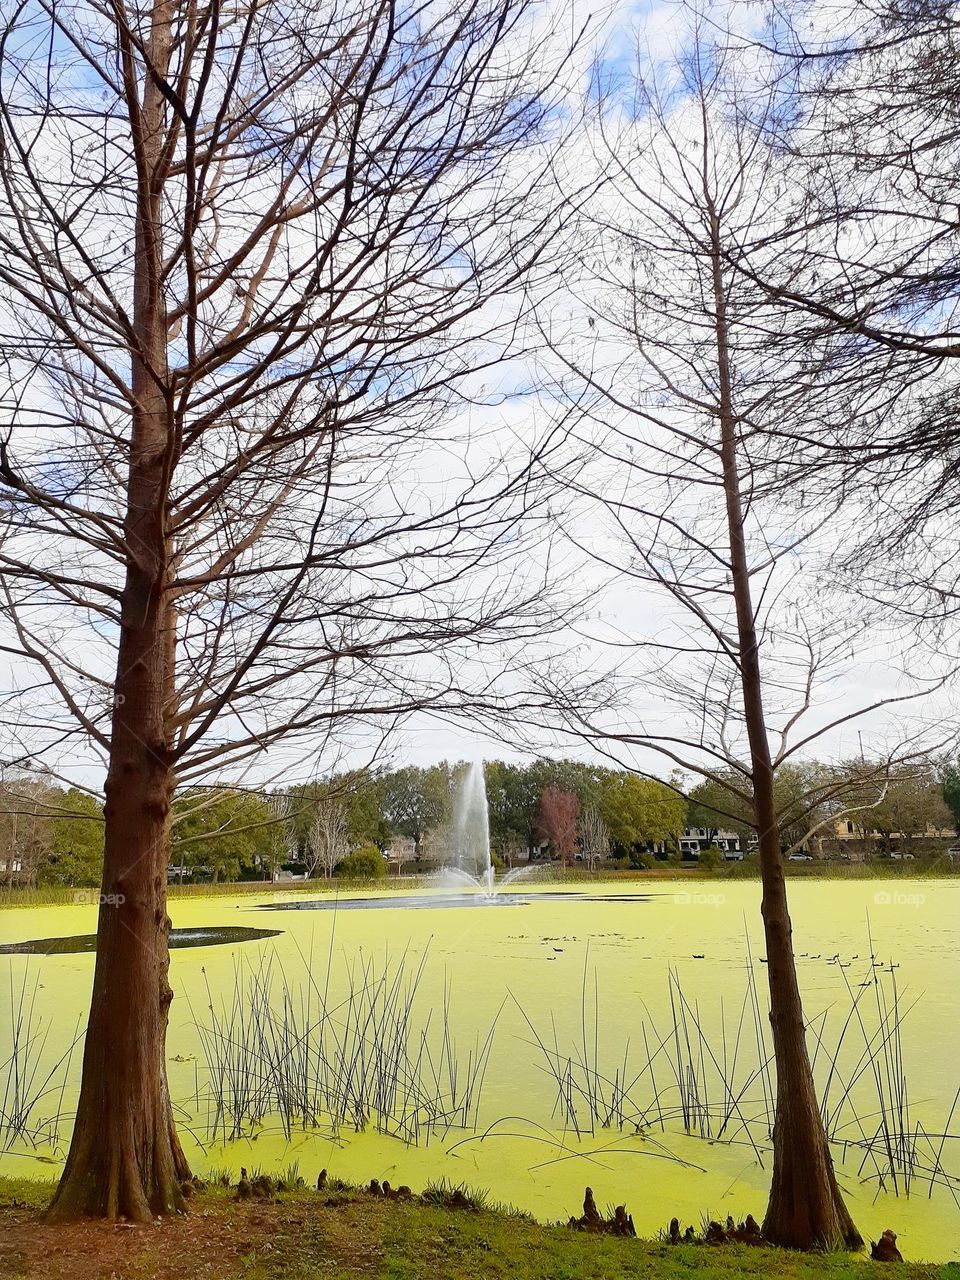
(281, 844)
(684, 372)
(871, 123)
(871, 120)
(28, 804)
(327, 842)
(250, 263)
(594, 837)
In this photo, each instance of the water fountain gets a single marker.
(472, 867)
(471, 830)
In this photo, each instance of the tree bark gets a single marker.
(805, 1209)
(125, 1158)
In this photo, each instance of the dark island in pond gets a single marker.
(178, 938)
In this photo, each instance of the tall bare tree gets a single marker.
(28, 806)
(281, 845)
(684, 371)
(594, 837)
(250, 260)
(327, 842)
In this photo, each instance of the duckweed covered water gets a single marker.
(617, 1018)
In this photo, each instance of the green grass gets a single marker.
(306, 1235)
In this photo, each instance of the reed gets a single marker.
(718, 1084)
(285, 1049)
(29, 1082)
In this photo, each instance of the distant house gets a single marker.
(533, 852)
(695, 839)
(857, 842)
(401, 849)
(11, 865)
(182, 872)
(847, 829)
(436, 845)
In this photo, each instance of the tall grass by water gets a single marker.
(64, 896)
(934, 867)
(32, 1086)
(713, 1077)
(285, 1051)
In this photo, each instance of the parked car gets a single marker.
(799, 857)
(954, 851)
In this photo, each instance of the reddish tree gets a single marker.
(558, 820)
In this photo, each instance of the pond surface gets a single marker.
(615, 1039)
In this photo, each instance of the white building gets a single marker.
(695, 839)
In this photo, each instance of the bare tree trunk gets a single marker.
(805, 1209)
(13, 850)
(125, 1158)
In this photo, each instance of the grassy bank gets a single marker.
(347, 1235)
(935, 869)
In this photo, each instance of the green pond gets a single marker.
(615, 1036)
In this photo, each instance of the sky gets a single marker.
(612, 611)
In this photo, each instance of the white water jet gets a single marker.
(471, 829)
(472, 867)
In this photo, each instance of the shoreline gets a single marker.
(444, 1233)
(50, 896)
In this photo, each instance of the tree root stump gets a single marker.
(621, 1224)
(885, 1249)
(748, 1232)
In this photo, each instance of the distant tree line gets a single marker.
(562, 810)
(891, 808)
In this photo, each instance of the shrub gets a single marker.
(365, 863)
